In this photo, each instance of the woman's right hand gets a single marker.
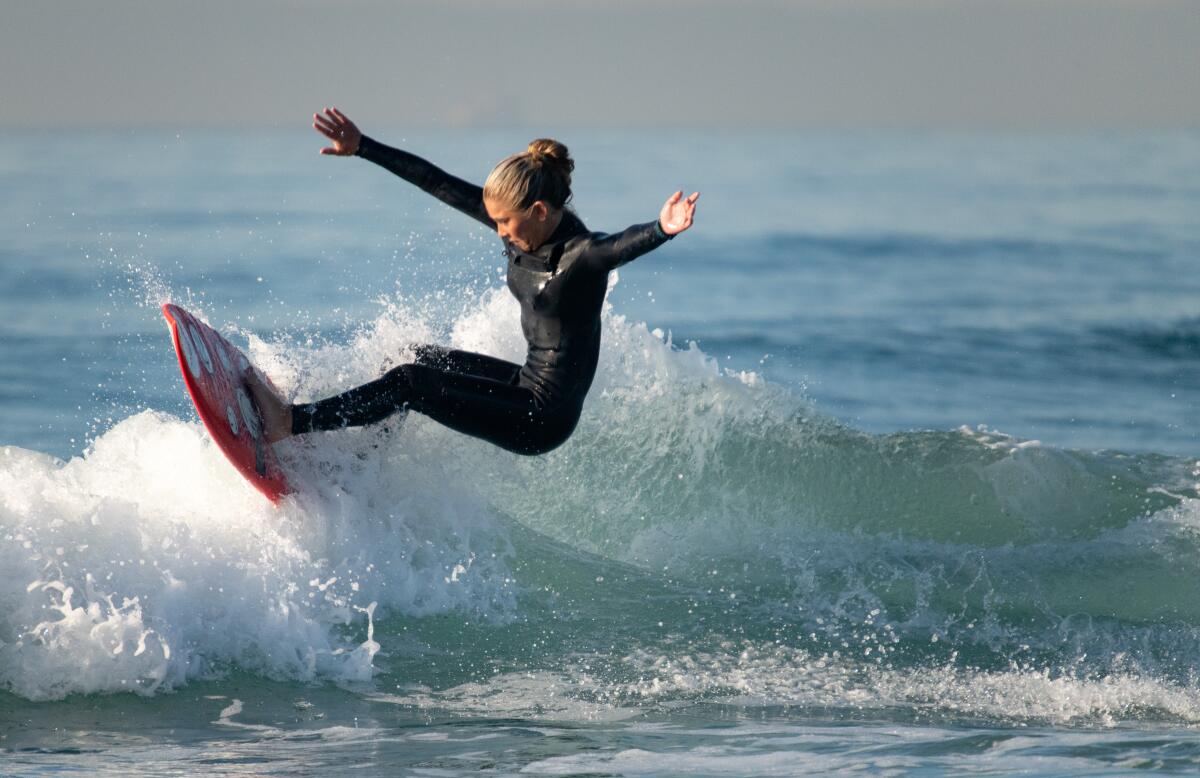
(334, 125)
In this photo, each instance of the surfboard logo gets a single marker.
(249, 415)
(201, 348)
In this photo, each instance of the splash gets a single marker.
(148, 562)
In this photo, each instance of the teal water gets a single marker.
(888, 467)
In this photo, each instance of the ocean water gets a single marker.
(889, 466)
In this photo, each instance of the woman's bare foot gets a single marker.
(276, 414)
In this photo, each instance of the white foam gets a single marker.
(149, 561)
(753, 675)
(765, 674)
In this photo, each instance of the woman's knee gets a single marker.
(399, 379)
(543, 436)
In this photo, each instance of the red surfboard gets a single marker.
(212, 369)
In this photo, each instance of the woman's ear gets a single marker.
(539, 210)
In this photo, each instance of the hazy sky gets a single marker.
(807, 63)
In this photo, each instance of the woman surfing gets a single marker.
(557, 270)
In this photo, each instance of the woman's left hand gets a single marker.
(676, 215)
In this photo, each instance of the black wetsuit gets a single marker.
(530, 408)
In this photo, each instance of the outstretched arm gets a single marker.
(612, 251)
(348, 141)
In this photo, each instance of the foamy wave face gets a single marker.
(149, 561)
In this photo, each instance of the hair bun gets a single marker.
(547, 151)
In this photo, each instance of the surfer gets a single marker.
(557, 270)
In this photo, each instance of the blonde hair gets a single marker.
(541, 172)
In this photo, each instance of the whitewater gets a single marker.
(927, 504)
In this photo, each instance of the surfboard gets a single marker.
(212, 370)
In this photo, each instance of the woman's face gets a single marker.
(526, 229)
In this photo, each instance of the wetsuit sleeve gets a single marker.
(454, 192)
(611, 251)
